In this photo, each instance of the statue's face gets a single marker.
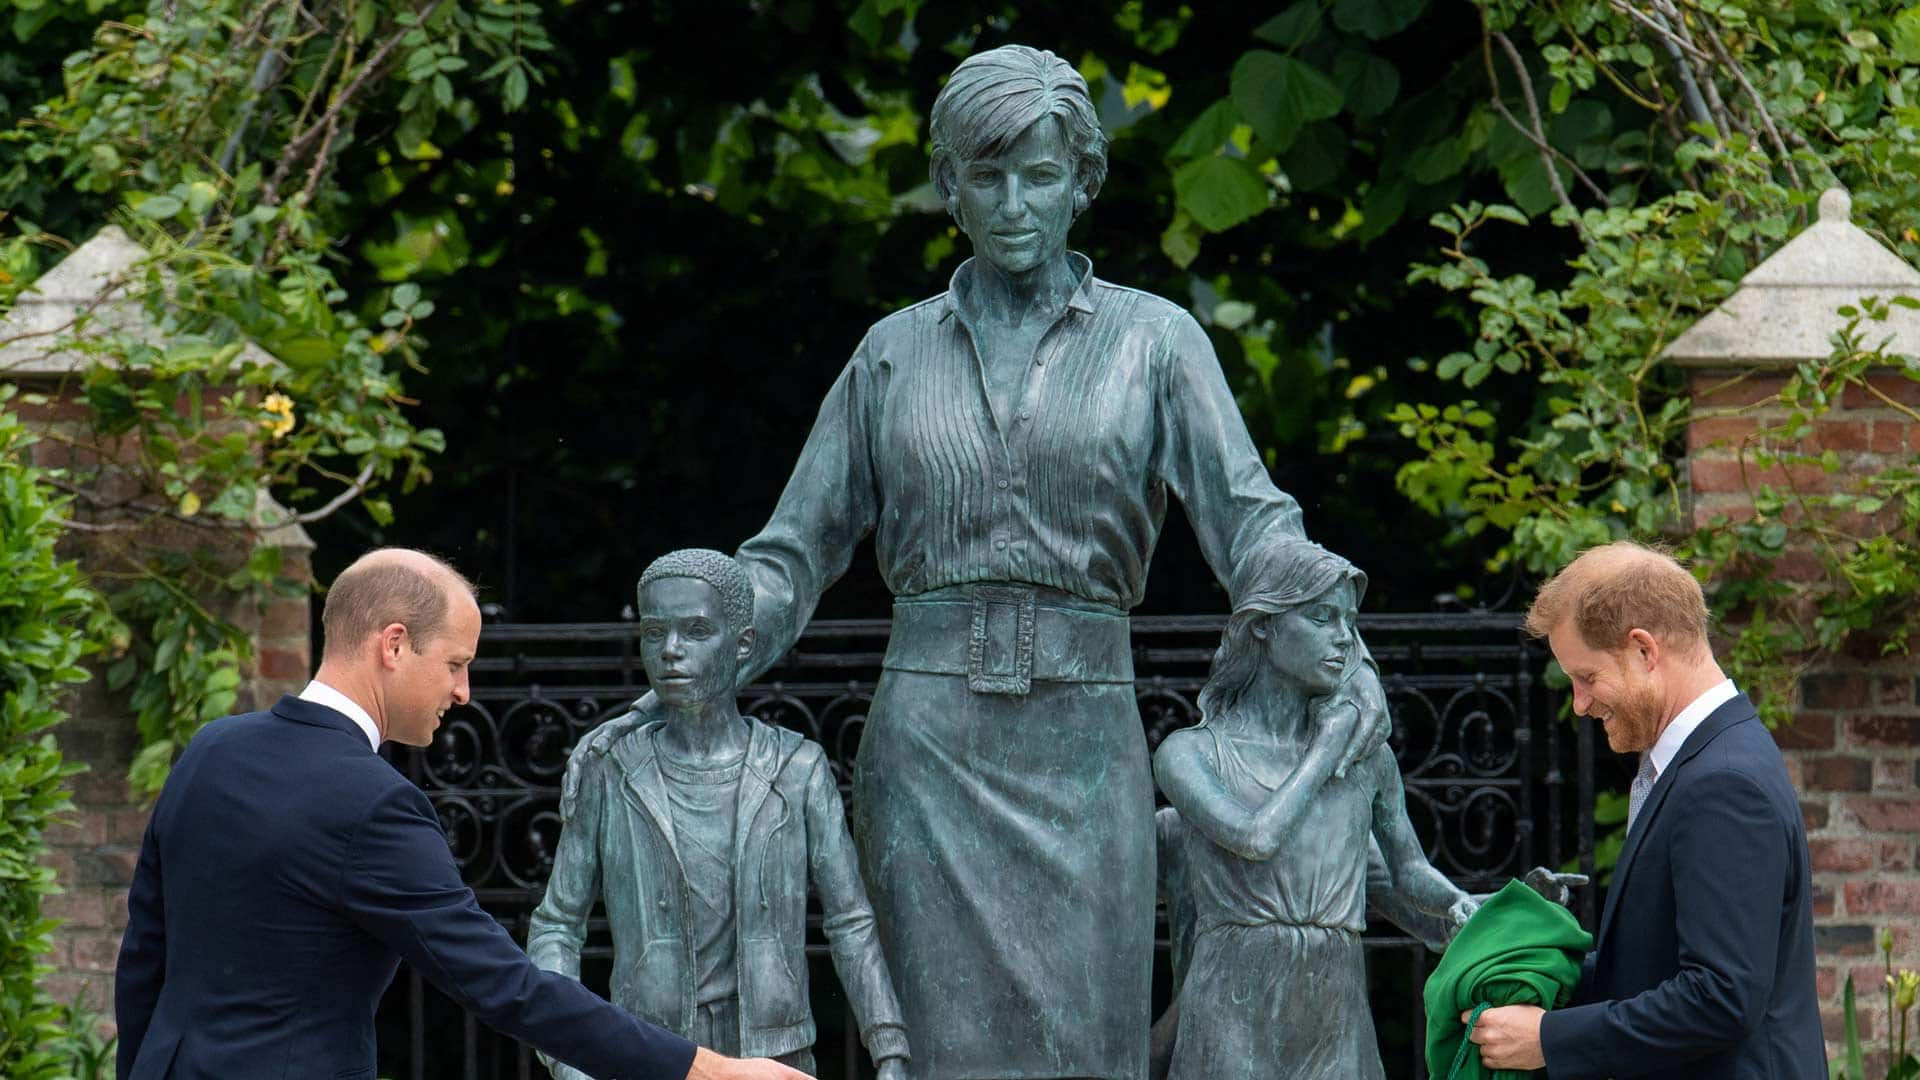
(1016, 207)
(690, 654)
(1311, 643)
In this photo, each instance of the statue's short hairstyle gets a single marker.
(718, 570)
(387, 586)
(1279, 573)
(1615, 588)
(993, 97)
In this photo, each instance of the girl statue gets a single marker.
(1272, 833)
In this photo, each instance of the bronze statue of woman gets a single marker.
(1011, 444)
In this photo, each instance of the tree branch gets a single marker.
(329, 121)
(1759, 107)
(1676, 46)
(149, 511)
(1537, 133)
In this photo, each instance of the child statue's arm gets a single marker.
(848, 920)
(1414, 879)
(1185, 770)
(558, 926)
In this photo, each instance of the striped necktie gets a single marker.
(1637, 794)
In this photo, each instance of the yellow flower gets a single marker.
(1905, 987)
(281, 408)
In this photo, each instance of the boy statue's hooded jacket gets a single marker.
(618, 845)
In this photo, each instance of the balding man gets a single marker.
(288, 868)
(1703, 964)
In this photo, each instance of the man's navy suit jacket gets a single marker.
(286, 871)
(1703, 966)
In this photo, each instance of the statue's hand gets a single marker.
(1555, 887)
(1459, 913)
(601, 739)
(893, 1069)
(1335, 721)
(1363, 691)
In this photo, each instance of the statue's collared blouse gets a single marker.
(1124, 402)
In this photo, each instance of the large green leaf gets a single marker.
(1376, 18)
(1278, 95)
(1370, 84)
(1207, 132)
(1220, 192)
(1292, 27)
(1316, 157)
(1906, 36)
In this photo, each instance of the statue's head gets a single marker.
(1017, 153)
(696, 625)
(1294, 606)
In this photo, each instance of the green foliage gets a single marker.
(78, 1051)
(1767, 109)
(192, 423)
(1902, 989)
(49, 620)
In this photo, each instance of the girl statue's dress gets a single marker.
(1279, 941)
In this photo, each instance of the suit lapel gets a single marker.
(1732, 711)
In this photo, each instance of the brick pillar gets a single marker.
(1853, 748)
(93, 851)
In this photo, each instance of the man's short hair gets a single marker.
(1614, 588)
(718, 570)
(379, 591)
(993, 97)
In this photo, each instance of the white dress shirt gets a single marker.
(321, 694)
(1672, 739)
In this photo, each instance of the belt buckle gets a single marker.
(1000, 646)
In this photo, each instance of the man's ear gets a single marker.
(392, 639)
(1258, 628)
(746, 644)
(1645, 646)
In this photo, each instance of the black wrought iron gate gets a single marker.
(1496, 783)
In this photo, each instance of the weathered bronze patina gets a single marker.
(1272, 841)
(1012, 444)
(700, 831)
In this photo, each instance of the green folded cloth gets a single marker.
(1519, 949)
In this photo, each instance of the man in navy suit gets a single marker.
(1703, 964)
(288, 868)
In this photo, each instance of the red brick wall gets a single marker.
(1854, 746)
(94, 850)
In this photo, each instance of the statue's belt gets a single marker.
(1004, 638)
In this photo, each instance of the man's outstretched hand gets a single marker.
(708, 1065)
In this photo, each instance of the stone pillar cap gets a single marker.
(94, 280)
(1786, 310)
(98, 280)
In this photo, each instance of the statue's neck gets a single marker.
(708, 732)
(995, 296)
(1272, 707)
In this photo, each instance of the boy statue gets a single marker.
(700, 831)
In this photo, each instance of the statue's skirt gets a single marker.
(1007, 843)
(1276, 1001)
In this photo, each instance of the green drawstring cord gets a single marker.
(1460, 1058)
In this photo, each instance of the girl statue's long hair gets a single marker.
(1277, 575)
